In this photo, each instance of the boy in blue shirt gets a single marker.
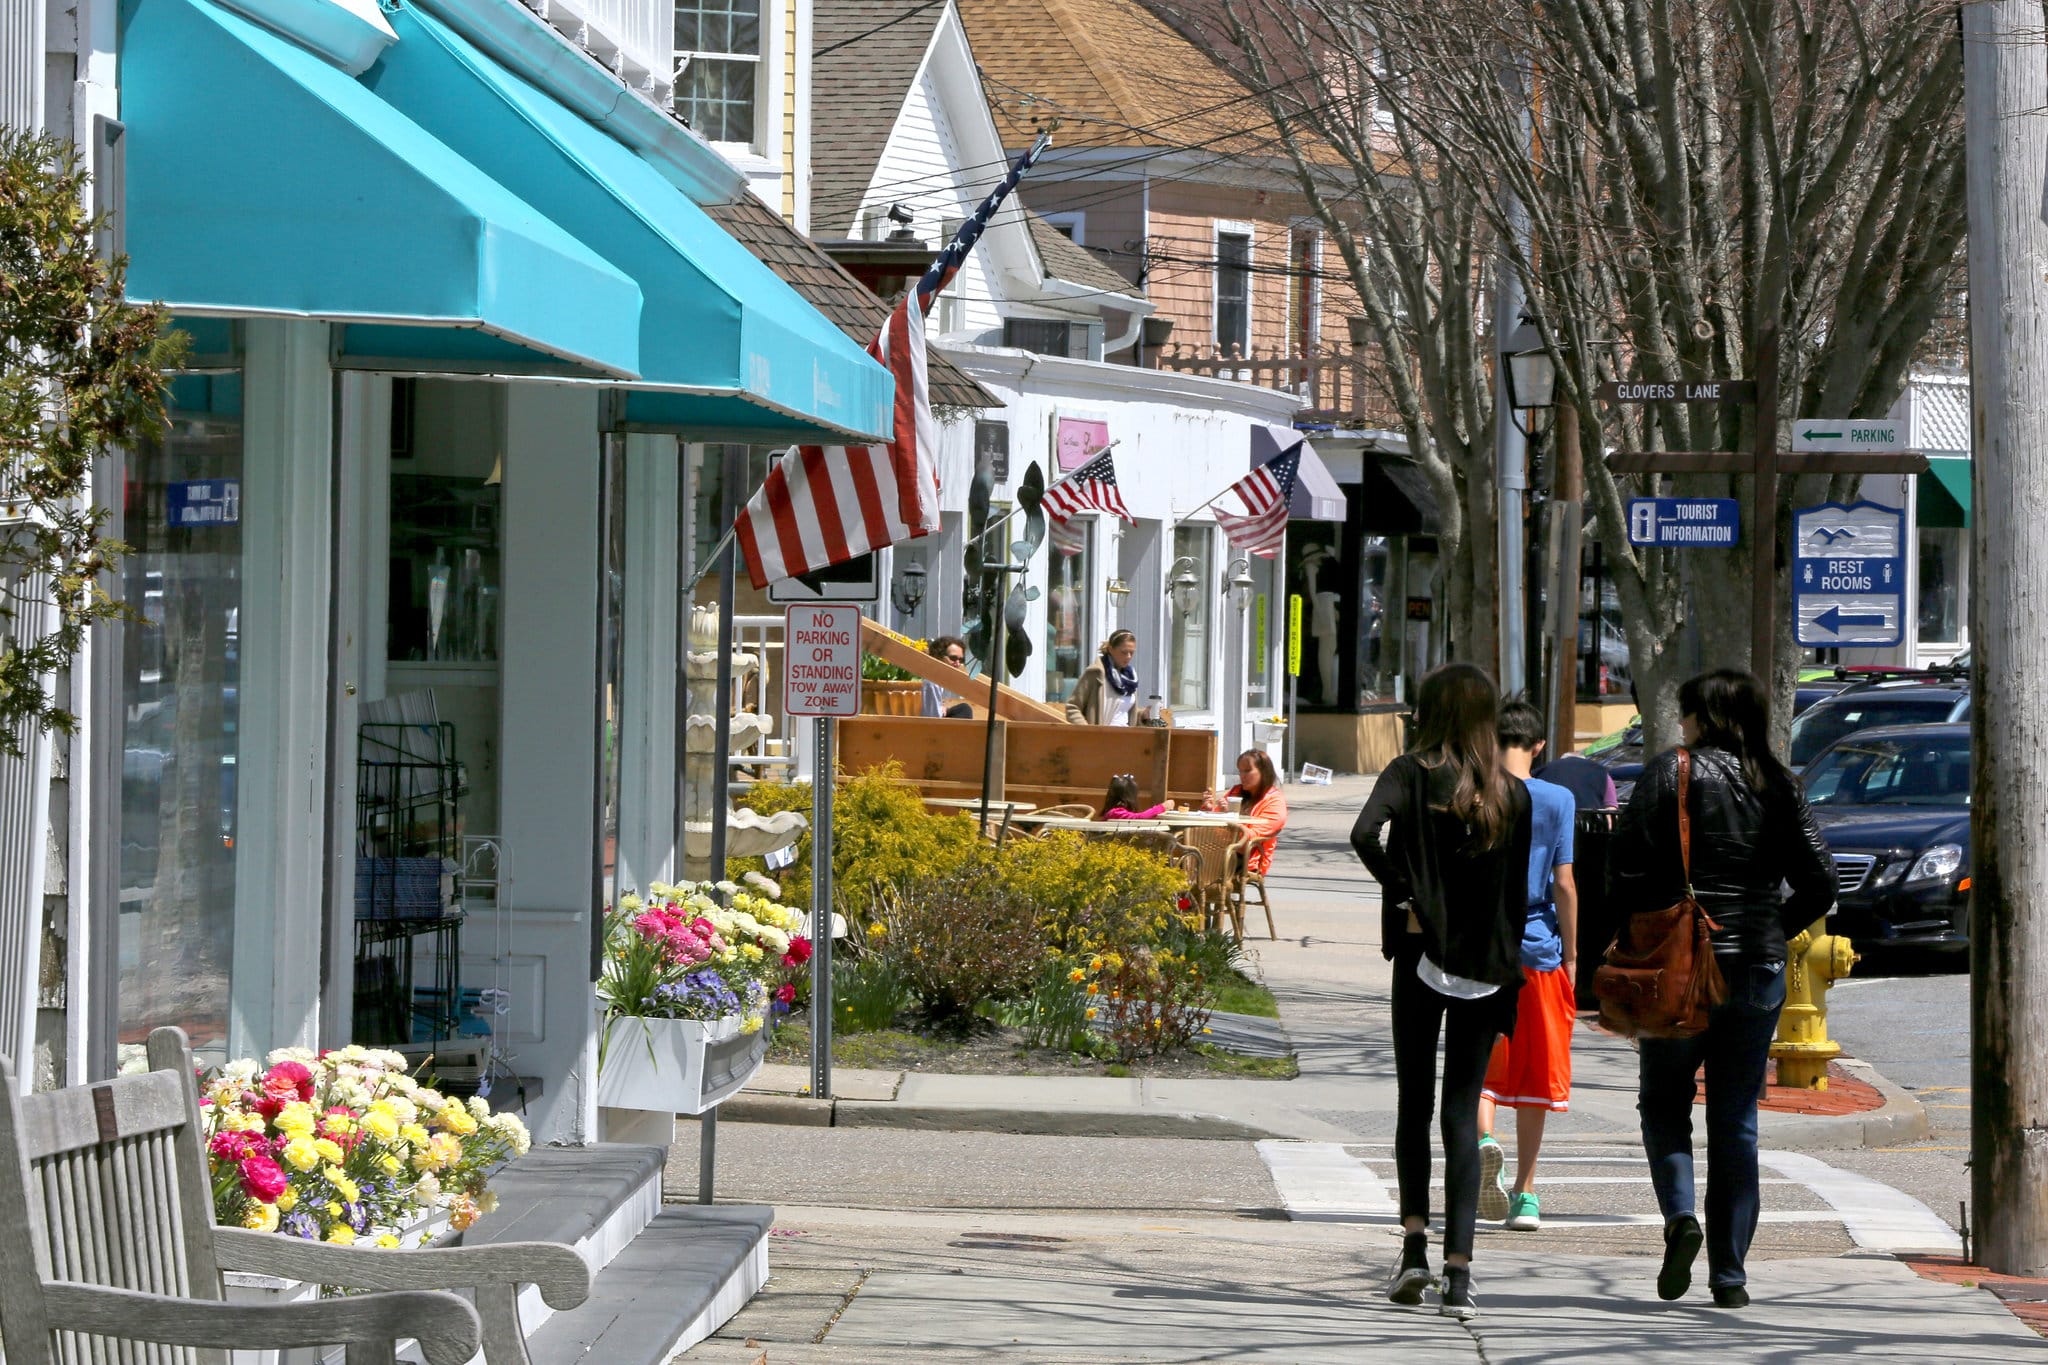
(1531, 1072)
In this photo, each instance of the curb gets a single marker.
(1901, 1118)
(801, 1111)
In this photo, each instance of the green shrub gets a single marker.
(868, 993)
(882, 836)
(1054, 1012)
(1147, 1002)
(1093, 893)
(959, 940)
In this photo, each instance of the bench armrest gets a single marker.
(559, 1272)
(370, 1326)
(494, 1273)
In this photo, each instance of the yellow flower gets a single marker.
(333, 1209)
(343, 1124)
(457, 1120)
(1095, 988)
(388, 1241)
(342, 1235)
(463, 1213)
(329, 1150)
(751, 951)
(1095, 964)
(390, 1164)
(301, 1154)
(1205, 1030)
(877, 929)
(381, 1122)
(414, 1135)
(1076, 975)
(288, 1201)
(296, 1120)
(1091, 1011)
(261, 1218)
(343, 1186)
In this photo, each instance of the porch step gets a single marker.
(569, 1194)
(678, 1282)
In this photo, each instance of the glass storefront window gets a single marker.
(179, 705)
(1941, 585)
(1069, 646)
(1191, 629)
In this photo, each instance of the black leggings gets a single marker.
(1469, 1028)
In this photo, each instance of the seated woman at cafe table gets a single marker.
(936, 700)
(1121, 801)
(1108, 690)
(1263, 809)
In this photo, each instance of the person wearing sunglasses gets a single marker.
(936, 701)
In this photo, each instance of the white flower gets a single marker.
(479, 1107)
(290, 1054)
(241, 1072)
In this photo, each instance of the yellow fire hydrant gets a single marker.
(1814, 960)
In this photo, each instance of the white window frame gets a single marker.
(1076, 220)
(767, 73)
(1231, 228)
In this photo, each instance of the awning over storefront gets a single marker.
(727, 349)
(1945, 492)
(261, 181)
(1316, 494)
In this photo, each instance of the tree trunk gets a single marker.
(2006, 88)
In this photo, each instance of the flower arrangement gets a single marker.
(346, 1146)
(681, 954)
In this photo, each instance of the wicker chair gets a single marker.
(1211, 884)
(1073, 810)
(1244, 881)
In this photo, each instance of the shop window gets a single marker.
(1234, 292)
(1942, 604)
(1193, 552)
(1069, 646)
(718, 43)
(180, 677)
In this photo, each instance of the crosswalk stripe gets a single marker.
(1321, 1181)
(1877, 1216)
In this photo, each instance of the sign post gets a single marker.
(821, 679)
(1293, 682)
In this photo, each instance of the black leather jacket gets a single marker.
(1747, 848)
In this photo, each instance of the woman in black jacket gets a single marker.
(1453, 898)
(1752, 836)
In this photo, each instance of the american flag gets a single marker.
(1090, 488)
(1265, 493)
(821, 505)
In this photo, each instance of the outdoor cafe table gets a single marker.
(973, 803)
(1074, 822)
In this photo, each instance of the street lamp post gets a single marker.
(1529, 382)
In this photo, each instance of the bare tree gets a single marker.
(1700, 176)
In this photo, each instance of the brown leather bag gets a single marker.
(1660, 979)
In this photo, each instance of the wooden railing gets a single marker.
(1341, 384)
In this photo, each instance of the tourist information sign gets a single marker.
(1848, 575)
(1684, 522)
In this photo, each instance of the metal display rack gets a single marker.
(408, 913)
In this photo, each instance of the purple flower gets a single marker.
(356, 1214)
(299, 1223)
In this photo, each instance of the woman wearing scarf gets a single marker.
(1108, 690)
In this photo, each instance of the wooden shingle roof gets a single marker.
(827, 286)
(865, 54)
(1065, 260)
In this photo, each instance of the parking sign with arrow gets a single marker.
(1848, 575)
(1854, 433)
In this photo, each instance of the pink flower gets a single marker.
(263, 1179)
(786, 993)
(799, 951)
(288, 1081)
(234, 1147)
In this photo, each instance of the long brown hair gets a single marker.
(1454, 727)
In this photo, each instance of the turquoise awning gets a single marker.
(727, 349)
(262, 181)
(1945, 492)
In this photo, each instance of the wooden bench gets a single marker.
(107, 1190)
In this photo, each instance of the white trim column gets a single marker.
(282, 639)
(647, 743)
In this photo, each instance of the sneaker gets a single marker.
(1412, 1277)
(1523, 1215)
(1682, 1238)
(1455, 1299)
(1493, 1184)
(1731, 1296)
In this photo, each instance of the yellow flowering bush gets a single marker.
(346, 1145)
(1146, 1001)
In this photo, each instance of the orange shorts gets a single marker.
(1533, 1069)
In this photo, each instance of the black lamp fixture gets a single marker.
(908, 590)
(1529, 377)
(1238, 587)
(1183, 587)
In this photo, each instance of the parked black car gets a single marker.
(1927, 700)
(1893, 804)
(1624, 759)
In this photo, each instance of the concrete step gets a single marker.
(678, 1282)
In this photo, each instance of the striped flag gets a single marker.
(821, 505)
(1265, 493)
(1089, 488)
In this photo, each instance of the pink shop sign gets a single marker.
(1076, 438)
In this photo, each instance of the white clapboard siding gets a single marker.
(24, 813)
(21, 63)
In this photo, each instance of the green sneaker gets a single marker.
(1523, 1215)
(1493, 1185)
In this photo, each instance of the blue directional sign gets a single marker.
(1849, 575)
(1684, 521)
(203, 502)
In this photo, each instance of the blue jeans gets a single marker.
(1734, 1049)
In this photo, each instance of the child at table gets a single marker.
(1122, 796)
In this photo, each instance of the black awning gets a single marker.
(1396, 497)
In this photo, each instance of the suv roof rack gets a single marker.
(1870, 675)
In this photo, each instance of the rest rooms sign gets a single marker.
(1848, 574)
(1683, 521)
(821, 660)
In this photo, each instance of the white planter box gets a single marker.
(678, 1065)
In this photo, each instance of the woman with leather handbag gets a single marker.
(1453, 871)
(1702, 856)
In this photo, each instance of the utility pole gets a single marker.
(2005, 90)
(1763, 515)
(1510, 447)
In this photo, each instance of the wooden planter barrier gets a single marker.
(1039, 762)
(891, 697)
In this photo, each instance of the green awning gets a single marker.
(1945, 492)
(262, 181)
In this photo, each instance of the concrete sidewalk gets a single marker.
(1332, 986)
